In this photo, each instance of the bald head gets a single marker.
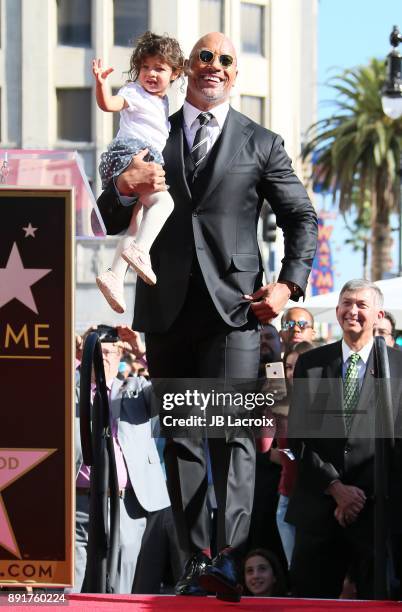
(210, 80)
(208, 41)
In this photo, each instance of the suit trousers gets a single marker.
(200, 345)
(321, 562)
(132, 526)
(160, 551)
(286, 530)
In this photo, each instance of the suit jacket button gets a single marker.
(347, 450)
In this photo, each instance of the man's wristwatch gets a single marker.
(295, 291)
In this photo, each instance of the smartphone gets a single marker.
(107, 333)
(275, 370)
(275, 375)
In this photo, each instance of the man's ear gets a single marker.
(187, 69)
(234, 80)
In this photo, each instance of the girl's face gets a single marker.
(290, 366)
(259, 576)
(156, 75)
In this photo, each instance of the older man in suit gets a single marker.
(141, 478)
(202, 317)
(332, 419)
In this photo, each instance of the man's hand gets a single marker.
(350, 501)
(126, 334)
(268, 301)
(345, 518)
(141, 178)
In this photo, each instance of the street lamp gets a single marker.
(391, 99)
(392, 91)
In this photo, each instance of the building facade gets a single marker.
(47, 89)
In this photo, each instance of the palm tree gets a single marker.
(357, 153)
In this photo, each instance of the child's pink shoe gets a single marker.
(112, 289)
(138, 259)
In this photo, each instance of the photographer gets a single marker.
(142, 485)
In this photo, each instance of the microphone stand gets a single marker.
(98, 453)
(384, 443)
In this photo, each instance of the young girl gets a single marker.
(155, 63)
(263, 574)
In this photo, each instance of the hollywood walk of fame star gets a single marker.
(15, 463)
(29, 230)
(16, 281)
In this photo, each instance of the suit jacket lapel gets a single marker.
(173, 154)
(235, 133)
(364, 414)
(333, 374)
(367, 388)
(364, 419)
(115, 400)
(334, 365)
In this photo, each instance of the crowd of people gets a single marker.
(284, 555)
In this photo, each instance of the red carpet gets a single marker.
(153, 603)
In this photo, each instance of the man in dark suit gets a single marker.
(332, 417)
(202, 317)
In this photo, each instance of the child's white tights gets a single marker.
(148, 218)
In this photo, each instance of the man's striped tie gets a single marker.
(351, 390)
(200, 144)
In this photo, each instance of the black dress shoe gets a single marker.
(222, 577)
(188, 583)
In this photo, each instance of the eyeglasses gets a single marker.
(292, 324)
(207, 57)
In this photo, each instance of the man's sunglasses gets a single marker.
(292, 324)
(206, 56)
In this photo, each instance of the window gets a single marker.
(253, 107)
(130, 21)
(252, 28)
(74, 114)
(74, 23)
(211, 16)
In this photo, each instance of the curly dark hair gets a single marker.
(150, 44)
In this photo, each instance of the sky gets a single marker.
(350, 32)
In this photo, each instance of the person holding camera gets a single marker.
(142, 487)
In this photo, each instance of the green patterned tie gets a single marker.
(351, 390)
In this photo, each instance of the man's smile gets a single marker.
(351, 321)
(210, 78)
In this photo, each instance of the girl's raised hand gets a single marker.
(99, 72)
